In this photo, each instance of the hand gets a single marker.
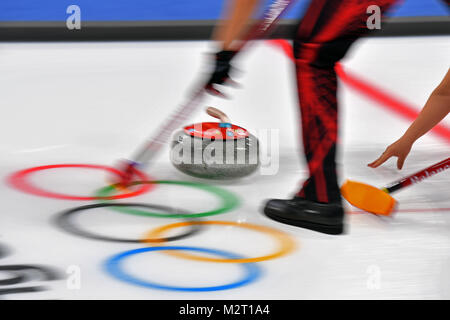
(221, 73)
(399, 149)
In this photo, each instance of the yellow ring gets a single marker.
(285, 243)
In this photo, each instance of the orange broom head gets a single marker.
(368, 198)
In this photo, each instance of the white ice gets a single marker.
(97, 102)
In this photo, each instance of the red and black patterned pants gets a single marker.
(324, 36)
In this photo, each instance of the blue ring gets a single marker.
(113, 266)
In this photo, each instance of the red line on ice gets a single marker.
(377, 94)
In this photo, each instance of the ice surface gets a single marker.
(97, 102)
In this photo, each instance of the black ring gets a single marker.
(12, 280)
(26, 272)
(64, 221)
(21, 290)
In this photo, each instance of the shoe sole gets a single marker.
(323, 228)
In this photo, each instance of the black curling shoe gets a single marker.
(322, 217)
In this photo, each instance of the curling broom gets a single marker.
(380, 201)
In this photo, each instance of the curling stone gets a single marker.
(215, 150)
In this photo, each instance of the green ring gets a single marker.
(229, 200)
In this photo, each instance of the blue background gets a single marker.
(115, 10)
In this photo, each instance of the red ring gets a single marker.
(19, 181)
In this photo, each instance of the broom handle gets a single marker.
(419, 176)
(259, 30)
(216, 113)
(268, 21)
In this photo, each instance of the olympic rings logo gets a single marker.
(154, 239)
(20, 274)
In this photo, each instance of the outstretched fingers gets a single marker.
(382, 159)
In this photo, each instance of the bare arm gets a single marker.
(237, 16)
(436, 108)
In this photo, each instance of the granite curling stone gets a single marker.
(215, 150)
